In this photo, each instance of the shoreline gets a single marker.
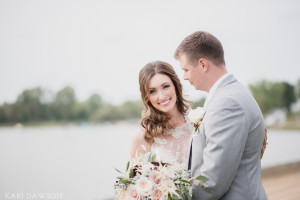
(279, 170)
(89, 123)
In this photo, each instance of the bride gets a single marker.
(165, 129)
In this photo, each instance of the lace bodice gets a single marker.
(173, 145)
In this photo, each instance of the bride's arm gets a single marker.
(137, 141)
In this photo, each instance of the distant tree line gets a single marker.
(38, 105)
(271, 95)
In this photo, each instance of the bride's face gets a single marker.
(162, 94)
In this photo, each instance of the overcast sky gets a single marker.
(100, 46)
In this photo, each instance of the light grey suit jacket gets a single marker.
(227, 147)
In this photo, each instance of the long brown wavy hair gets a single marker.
(153, 120)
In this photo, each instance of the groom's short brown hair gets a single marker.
(201, 45)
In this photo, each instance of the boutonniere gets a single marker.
(196, 116)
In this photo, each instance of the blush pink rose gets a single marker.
(131, 193)
(156, 178)
(157, 195)
(144, 186)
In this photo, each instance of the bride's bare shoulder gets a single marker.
(137, 141)
(138, 137)
(139, 134)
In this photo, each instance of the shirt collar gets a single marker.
(214, 87)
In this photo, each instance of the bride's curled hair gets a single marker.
(153, 120)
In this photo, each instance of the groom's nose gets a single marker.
(185, 77)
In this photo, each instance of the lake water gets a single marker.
(77, 163)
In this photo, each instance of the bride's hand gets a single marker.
(264, 144)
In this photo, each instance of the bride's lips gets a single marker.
(165, 103)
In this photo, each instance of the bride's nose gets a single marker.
(161, 95)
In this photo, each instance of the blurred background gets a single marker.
(69, 93)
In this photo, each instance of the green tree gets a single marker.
(12, 113)
(2, 115)
(289, 96)
(88, 110)
(131, 109)
(28, 105)
(109, 113)
(81, 111)
(297, 89)
(94, 102)
(269, 95)
(64, 104)
(126, 111)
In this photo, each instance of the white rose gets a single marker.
(169, 187)
(196, 115)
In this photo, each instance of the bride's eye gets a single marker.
(152, 91)
(166, 86)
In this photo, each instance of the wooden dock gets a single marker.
(282, 182)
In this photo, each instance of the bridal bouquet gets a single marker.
(146, 178)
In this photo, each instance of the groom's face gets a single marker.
(193, 74)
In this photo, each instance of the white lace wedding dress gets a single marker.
(173, 145)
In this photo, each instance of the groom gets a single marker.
(226, 148)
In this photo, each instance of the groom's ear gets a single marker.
(203, 64)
